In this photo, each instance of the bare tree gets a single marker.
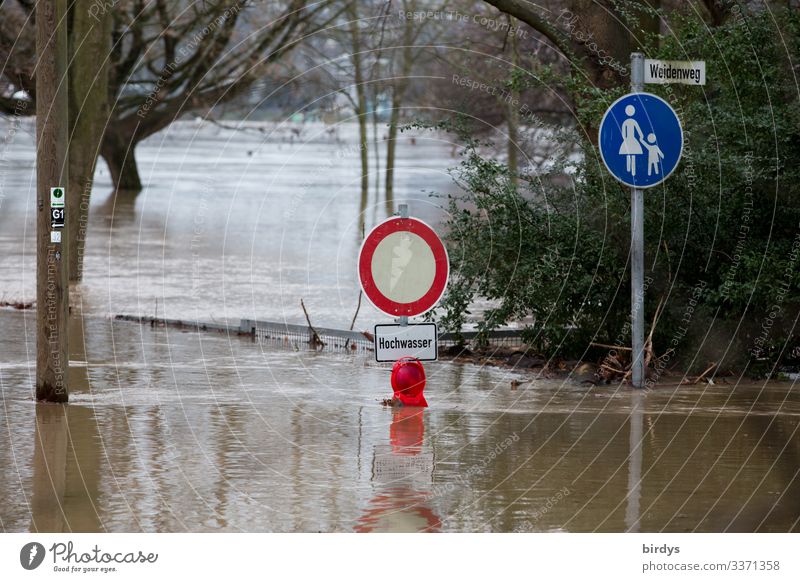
(409, 53)
(347, 63)
(137, 66)
(172, 57)
(89, 35)
(164, 59)
(17, 57)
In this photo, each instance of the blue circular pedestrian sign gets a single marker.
(641, 140)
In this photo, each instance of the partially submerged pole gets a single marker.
(52, 288)
(637, 252)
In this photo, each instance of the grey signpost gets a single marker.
(403, 214)
(637, 252)
(637, 330)
(642, 127)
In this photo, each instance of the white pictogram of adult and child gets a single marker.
(632, 146)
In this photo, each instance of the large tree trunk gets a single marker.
(52, 170)
(610, 34)
(118, 152)
(581, 29)
(88, 114)
(513, 107)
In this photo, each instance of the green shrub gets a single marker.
(721, 233)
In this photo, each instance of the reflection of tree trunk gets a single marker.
(83, 471)
(82, 482)
(90, 36)
(117, 150)
(78, 374)
(49, 468)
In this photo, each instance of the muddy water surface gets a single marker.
(168, 430)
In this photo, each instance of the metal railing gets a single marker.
(297, 335)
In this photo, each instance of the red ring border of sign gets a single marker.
(440, 278)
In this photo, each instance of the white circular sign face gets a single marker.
(403, 267)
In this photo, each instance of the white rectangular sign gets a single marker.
(57, 198)
(394, 341)
(658, 72)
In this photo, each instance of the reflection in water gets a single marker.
(173, 431)
(66, 470)
(635, 462)
(49, 468)
(403, 474)
(84, 462)
(407, 430)
(119, 208)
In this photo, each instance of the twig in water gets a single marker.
(355, 315)
(648, 344)
(706, 371)
(315, 340)
(358, 307)
(623, 348)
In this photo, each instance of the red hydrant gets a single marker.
(408, 381)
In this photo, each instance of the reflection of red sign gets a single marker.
(399, 510)
(403, 267)
(407, 430)
(402, 507)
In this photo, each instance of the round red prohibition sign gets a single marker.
(403, 267)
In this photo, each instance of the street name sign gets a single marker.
(658, 72)
(394, 341)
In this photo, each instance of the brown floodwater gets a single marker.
(169, 430)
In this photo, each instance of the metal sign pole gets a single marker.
(403, 214)
(637, 252)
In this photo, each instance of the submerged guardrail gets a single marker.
(296, 334)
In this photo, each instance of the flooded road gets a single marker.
(231, 224)
(169, 430)
(178, 431)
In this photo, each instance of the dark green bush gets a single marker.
(722, 233)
